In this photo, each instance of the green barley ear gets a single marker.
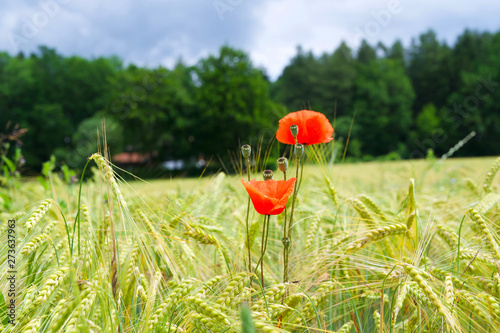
(373, 207)
(53, 281)
(273, 295)
(449, 291)
(377, 321)
(175, 296)
(86, 214)
(200, 235)
(471, 185)
(429, 293)
(362, 211)
(376, 235)
(346, 328)
(109, 177)
(331, 190)
(325, 290)
(267, 174)
(410, 220)
(282, 164)
(448, 235)
(491, 175)
(33, 326)
(38, 214)
(81, 312)
(403, 291)
(412, 206)
(197, 304)
(484, 231)
(34, 244)
(254, 230)
(235, 286)
(473, 304)
(487, 203)
(246, 150)
(313, 230)
(148, 224)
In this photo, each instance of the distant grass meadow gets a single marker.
(405, 246)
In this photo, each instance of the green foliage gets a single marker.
(69, 175)
(427, 120)
(318, 83)
(66, 174)
(47, 169)
(9, 166)
(403, 100)
(86, 139)
(229, 91)
(383, 105)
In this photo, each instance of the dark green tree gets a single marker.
(430, 70)
(233, 104)
(296, 86)
(383, 101)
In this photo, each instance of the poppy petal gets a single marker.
(269, 197)
(314, 128)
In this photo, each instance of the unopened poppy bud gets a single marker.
(282, 164)
(294, 129)
(267, 174)
(299, 149)
(246, 150)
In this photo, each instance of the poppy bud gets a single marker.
(282, 164)
(295, 130)
(246, 150)
(299, 149)
(267, 174)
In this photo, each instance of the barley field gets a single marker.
(406, 246)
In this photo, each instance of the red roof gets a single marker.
(131, 158)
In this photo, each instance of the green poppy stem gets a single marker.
(285, 244)
(290, 223)
(263, 247)
(248, 229)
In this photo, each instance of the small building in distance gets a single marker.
(126, 159)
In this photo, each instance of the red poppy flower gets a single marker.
(269, 197)
(314, 128)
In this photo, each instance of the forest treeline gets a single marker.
(403, 100)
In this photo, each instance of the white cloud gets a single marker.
(152, 32)
(320, 25)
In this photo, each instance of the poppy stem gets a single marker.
(285, 249)
(263, 247)
(285, 244)
(248, 230)
(290, 223)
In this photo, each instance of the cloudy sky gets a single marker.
(154, 32)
